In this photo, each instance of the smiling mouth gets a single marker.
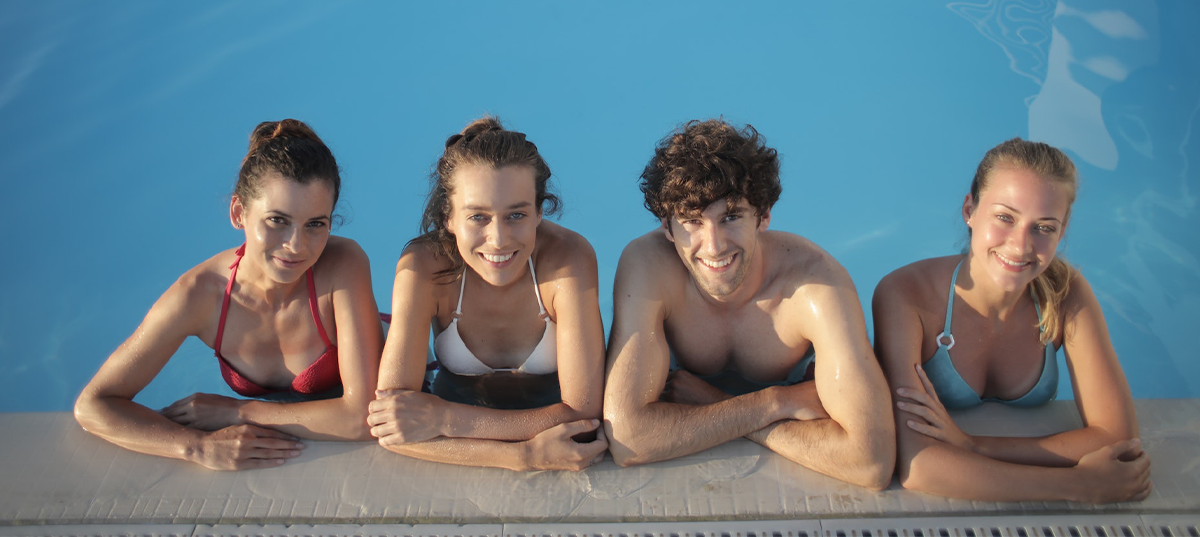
(500, 258)
(1009, 263)
(718, 264)
(287, 263)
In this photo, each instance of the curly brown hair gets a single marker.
(706, 161)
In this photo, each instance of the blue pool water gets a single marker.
(123, 125)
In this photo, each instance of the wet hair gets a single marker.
(705, 161)
(1053, 284)
(293, 150)
(484, 142)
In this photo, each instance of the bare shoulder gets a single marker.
(189, 302)
(343, 257)
(562, 252)
(800, 262)
(651, 261)
(918, 282)
(1080, 296)
(420, 258)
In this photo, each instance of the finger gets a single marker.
(925, 429)
(378, 417)
(930, 390)
(380, 394)
(919, 410)
(263, 453)
(573, 428)
(380, 431)
(253, 464)
(1115, 450)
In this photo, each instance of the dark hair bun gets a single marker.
(288, 128)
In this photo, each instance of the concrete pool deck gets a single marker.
(54, 473)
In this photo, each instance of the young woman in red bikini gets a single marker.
(290, 316)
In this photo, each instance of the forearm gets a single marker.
(825, 446)
(136, 428)
(1061, 450)
(946, 470)
(663, 430)
(328, 419)
(469, 421)
(467, 452)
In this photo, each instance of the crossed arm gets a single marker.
(844, 429)
(1101, 462)
(222, 432)
(421, 425)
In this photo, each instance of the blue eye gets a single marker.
(516, 216)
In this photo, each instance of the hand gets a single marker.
(205, 411)
(933, 420)
(406, 416)
(553, 449)
(242, 447)
(1115, 473)
(688, 389)
(802, 401)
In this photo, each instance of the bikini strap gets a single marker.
(462, 287)
(538, 294)
(225, 301)
(949, 312)
(312, 305)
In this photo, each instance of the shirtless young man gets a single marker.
(732, 303)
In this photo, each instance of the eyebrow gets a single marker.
(1013, 209)
(286, 215)
(518, 205)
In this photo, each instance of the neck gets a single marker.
(978, 290)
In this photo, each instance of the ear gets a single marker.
(764, 221)
(666, 227)
(237, 213)
(968, 209)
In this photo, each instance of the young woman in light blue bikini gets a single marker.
(513, 303)
(954, 332)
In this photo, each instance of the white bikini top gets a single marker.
(454, 355)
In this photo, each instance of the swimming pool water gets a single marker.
(123, 126)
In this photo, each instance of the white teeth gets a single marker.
(1010, 262)
(717, 264)
(498, 258)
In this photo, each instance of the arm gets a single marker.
(106, 408)
(941, 467)
(641, 428)
(359, 343)
(417, 416)
(857, 443)
(424, 426)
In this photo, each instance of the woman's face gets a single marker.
(494, 218)
(1015, 226)
(287, 225)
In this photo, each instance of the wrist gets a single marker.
(242, 412)
(192, 449)
(523, 456)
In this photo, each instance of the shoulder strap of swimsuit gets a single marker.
(946, 334)
(312, 305)
(462, 287)
(225, 301)
(538, 294)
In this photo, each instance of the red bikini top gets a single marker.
(319, 377)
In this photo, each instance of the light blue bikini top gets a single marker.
(454, 355)
(954, 392)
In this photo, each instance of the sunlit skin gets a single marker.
(269, 338)
(721, 294)
(497, 228)
(1016, 225)
(717, 245)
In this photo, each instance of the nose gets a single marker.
(714, 240)
(496, 234)
(294, 241)
(1022, 240)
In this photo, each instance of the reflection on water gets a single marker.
(1119, 90)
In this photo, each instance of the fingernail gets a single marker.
(295, 453)
(901, 404)
(278, 462)
(299, 445)
(595, 422)
(902, 392)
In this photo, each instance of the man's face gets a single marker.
(717, 244)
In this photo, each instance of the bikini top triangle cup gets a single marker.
(454, 355)
(954, 392)
(321, 376)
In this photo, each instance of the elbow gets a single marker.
(85, 412)
(874, 468)
(913, 474)
(622, 439)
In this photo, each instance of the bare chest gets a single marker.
(755, 342)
